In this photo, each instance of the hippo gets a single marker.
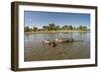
(64, 40)
(57, 41)
(51, 43)
(68, 40)
(47, 42)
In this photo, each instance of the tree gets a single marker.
(65, 27)
(82, 28)
(35, 28)
(57, 27)
(51, 26)
(79, 28)
(45, 28)
(70, 27)
(26, 29)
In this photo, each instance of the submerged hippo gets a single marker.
(47, 42)
(52, 43)
(64, 40)
(57, 41)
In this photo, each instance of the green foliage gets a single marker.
(52, 26)
(65, 27)
(82, 27)
(26, 29)
(35, 28)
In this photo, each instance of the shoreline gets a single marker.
(64, 31)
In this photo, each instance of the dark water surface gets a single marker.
(34, 50)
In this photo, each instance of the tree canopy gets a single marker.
(53, 26)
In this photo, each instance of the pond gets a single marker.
(35, 50)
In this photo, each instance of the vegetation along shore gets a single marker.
(52, 28)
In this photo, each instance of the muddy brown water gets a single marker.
(35, 50)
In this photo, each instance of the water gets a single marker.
(35, 50)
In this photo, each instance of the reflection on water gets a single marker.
(36, 51)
